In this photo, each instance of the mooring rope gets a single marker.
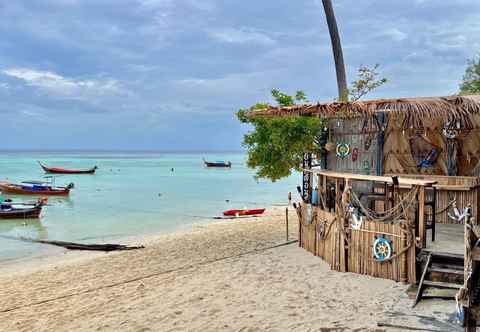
(148, 276)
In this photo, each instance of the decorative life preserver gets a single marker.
(354, 154)
(382, 249)
(343, 150)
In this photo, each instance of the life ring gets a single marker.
(343, 150)
(382, 249)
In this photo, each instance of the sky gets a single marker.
(169, 75)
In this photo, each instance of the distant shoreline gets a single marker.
(54, 151)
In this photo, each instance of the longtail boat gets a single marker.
(237, 213)
(34, 188)
(11, 210)
(57, 170)
(225, 164)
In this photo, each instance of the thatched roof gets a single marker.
(413, 109)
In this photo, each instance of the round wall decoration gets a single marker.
(343, 150)
(382, 249)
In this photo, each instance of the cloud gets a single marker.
(57, 85)
(394, 34)
(241, 36)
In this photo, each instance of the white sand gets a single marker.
(216, 277)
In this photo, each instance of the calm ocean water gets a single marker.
(131, 194)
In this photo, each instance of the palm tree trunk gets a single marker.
(337, 50)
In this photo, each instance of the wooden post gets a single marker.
(421, 217)
(403, 260)
(286, 222)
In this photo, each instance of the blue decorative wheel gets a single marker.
(382, 249)
(343, 150)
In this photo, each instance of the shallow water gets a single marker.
(131, 194)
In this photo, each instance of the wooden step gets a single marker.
(446, 270)
(439, 293)
(439, 284)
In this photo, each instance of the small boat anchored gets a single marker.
(40, 188)
(12, 210)
(221, 163)
(237, 213)
(57, 170)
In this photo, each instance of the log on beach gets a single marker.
(80, 246)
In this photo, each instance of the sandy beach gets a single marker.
(228, 276)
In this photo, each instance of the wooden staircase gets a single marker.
(442, 276)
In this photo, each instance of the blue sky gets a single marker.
(170, 74)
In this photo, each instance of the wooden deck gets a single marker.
(449, 239)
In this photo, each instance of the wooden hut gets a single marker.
(396, 177)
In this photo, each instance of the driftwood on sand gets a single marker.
(80, 246)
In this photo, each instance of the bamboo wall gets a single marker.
(357, 257)
(464, 190)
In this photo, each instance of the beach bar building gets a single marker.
(394, 190)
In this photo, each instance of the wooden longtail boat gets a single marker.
(225, 164)
(34, 188)
(243, 212)
(57, 170)
(11, 210)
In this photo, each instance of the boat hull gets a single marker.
(251, 212)
(27, 213)
(221, 165)
(56, 170)
(8, 188)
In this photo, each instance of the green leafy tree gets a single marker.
(471, 78)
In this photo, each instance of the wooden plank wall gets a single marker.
(350, 131)
(444, 197)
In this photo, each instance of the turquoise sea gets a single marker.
(131, 194)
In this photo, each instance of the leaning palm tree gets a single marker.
(337, 50)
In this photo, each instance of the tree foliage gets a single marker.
(366, 82)
(276, 146)
(471, 78)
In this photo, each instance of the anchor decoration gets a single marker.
(357, 220)
(382, 249)
(457, 216)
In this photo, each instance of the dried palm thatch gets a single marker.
(414, 110)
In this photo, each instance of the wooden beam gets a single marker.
(363, 177)
(422, 229)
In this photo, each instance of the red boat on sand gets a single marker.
(57, 170)
(236, 213)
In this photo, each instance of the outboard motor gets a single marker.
(71, 185)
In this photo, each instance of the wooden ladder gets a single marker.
(441, 278)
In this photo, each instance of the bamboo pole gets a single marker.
(286, 223)
(421, 217)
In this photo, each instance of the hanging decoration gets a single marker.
(330, 146)
(368, 142)
(382, 249)
(357, 220)
(343, 150)
(457, 216)
(430, 159)
(451, 130)
(354, 154)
